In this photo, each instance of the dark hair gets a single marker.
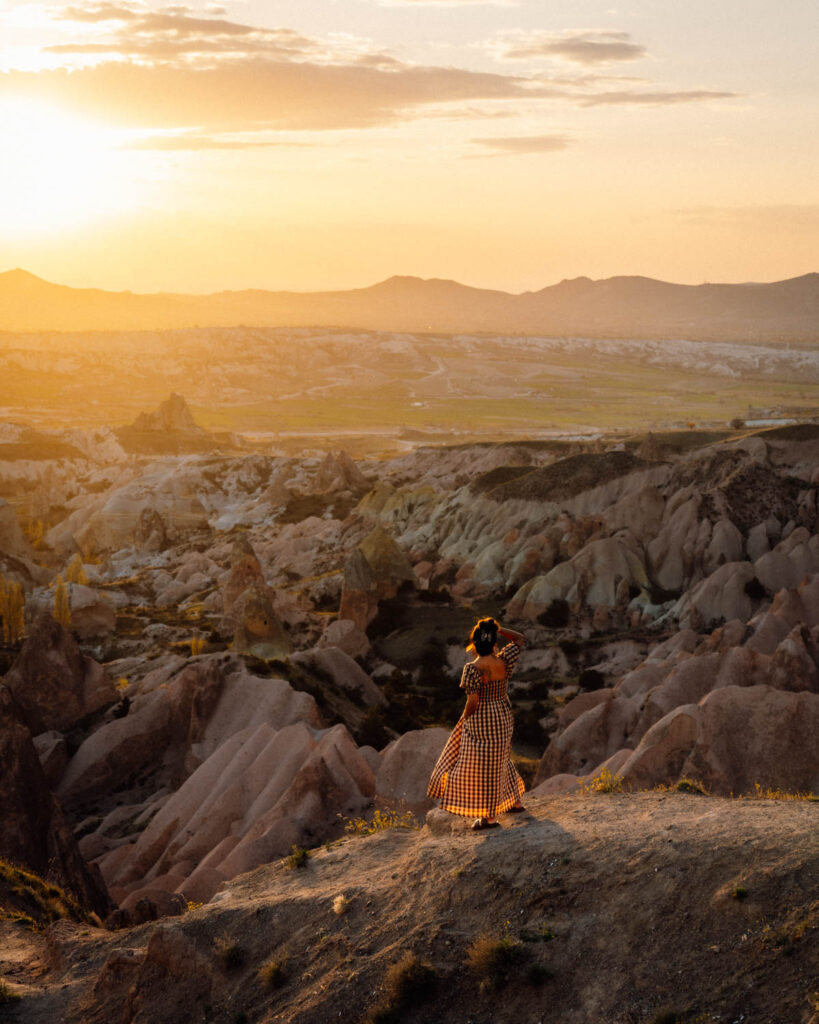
(483, 637)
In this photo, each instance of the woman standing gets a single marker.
(474, 774)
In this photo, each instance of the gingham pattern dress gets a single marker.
(474, 775)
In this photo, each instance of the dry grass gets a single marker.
(273, 972)
(229, 953)
(493, 959)
(406, 983)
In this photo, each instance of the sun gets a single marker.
(57, 171)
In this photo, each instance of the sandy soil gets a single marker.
(658, 902)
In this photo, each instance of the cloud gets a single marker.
(525, 144)
(447, 3)
(256, 94)
(658, 98)
(586, 48)
(790, 217)
(189, 142)
(171, 32)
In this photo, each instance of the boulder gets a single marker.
(345, 634)
(258, 629)
(405, 767)
(374, 571)
(340, 670)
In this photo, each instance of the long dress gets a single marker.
(474, 775)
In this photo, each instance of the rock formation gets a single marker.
(54, 684)
(35, 832)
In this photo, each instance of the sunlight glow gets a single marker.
(57, 171)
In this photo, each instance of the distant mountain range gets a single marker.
(637, 307)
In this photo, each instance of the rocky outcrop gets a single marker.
(172, 415)
(373, 572)
(405, 766)
(170, 730)
(258, 794)
(736, 710)
(12, 539)
(54, 684)
(248, 606)
(35, 832)
(338, 473)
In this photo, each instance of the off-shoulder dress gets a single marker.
(474, 775)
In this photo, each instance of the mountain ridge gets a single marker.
(619, 306)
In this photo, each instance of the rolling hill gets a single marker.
(636, 307)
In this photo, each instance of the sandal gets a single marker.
(516, 809)
(480, 824)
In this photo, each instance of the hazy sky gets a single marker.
(331, 143)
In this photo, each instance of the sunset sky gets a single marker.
(308, 144)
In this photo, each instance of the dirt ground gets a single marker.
(639, 908)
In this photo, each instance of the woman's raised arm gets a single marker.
(512, 634)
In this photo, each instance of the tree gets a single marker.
(11, 609)
(75, 572)
(62, 604)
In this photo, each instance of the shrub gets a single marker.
(492, 959)
(273, 973)
(380, 822)
(297, 859)
(686, 785)
(62, 603)
(229, 953)
(341, 904)
(406, 983)
(75, 573)
(605, 782)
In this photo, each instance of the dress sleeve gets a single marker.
(470, 679)
(510, 654)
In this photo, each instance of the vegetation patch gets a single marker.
(30, 902)
(493, 959)
(686, 785)
(297, 859)
(229, 953)
(381, 822)
(605, 782)
(273, 972)
(406, 984)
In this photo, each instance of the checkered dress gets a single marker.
(474, 775)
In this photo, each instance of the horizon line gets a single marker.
(400, 277)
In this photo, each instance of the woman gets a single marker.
(474, 774)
